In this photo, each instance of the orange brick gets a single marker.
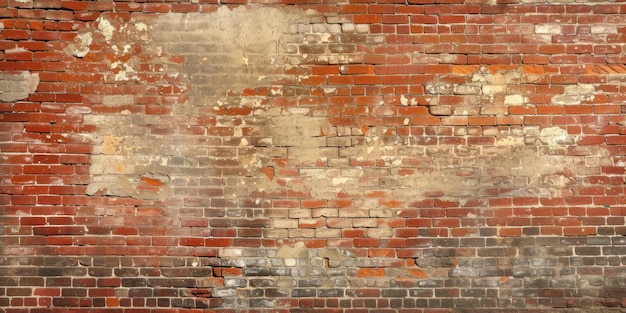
(371, 272)
(482, 120)
(510, 232)
(417, 273)
(382, 253)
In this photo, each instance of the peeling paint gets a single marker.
(106, 28)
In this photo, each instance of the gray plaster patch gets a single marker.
(18, 85)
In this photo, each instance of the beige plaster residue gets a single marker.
(298, 251)
(528, 162)
(228, 50)
(574, 94)
(486, 92)
(208, 60)
(18, 85)
(80, 46)
(303, 136)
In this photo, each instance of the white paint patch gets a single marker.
(604, 29)
(574, 94)
(16, 50)
(80, 46)
(141, 27)
(229, 252)
(362, 28)
(123, 74)
(78, 110)
(514, 99)
(565, 99)
(553, 136)
(548, 29)
(510, 141)
(404, 100)
(85, 41)
(251, 101)
(105, 28)
(580, 89)
(341, 181)
(329, 90)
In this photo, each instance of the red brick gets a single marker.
(395, 19)
(510, 232)
(482, 120)
(367, 18)
(218, 242)
(579, 231)
(14, 34)
(156, 8)
(59, 230)
(185, 7)
(18, 55)
(325, 70)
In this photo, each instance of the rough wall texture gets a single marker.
(312, 156)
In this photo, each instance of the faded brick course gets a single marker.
(312, 156)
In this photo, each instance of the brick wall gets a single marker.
(312, 156)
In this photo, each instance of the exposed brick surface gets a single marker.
(312, 156)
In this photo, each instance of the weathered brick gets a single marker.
(420, 141)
